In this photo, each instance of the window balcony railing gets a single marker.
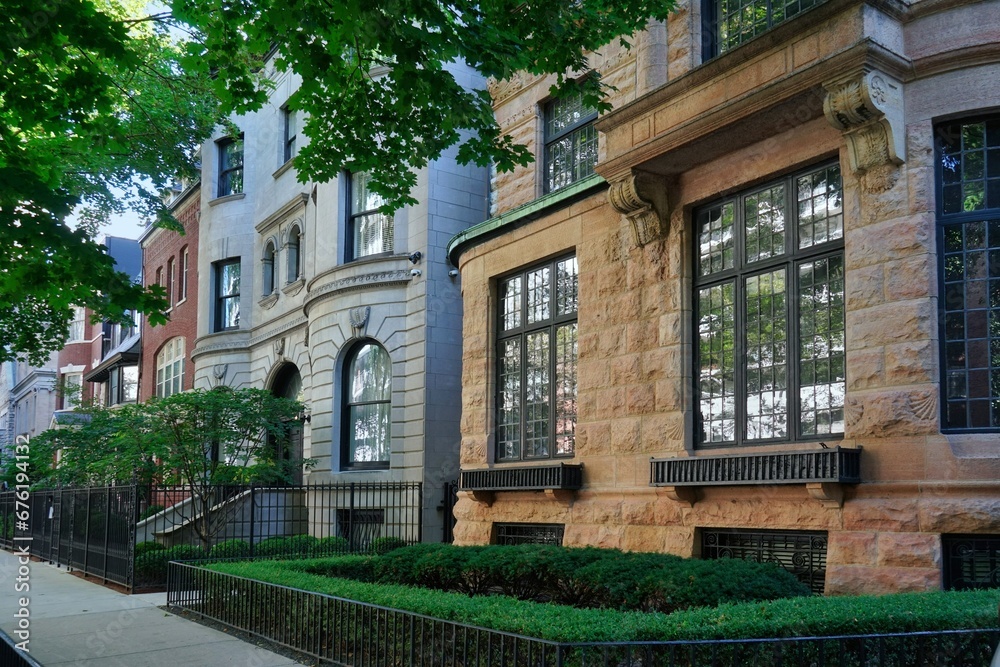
(822, 471)
(484, 483)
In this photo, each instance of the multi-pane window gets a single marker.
(268, 264)
(72, 390)
(227, 295)
(769, 308)
(370, 232)
(230, 167)
(171, 270)
(969, 241)
(367, 407)
(570, 141)
(77, 326)
(122, 385)
(290, 132)
(734, 22)
(170, 368)
(184, 274)
(293, 256)
(536, 362)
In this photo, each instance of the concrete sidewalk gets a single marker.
(76, 622)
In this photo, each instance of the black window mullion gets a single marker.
(739, 319)
(793, 347)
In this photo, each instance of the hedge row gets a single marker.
(580, 577)
(792, 617)
(151, 558)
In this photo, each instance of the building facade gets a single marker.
(764, 326)
(310, 291)
(170, 259)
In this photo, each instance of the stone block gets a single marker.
(909, 550)
(864, 287)
(913, 362)
(865, 369)
(888, 240)
(910, 278)
(851, 548)
(625, 435)
(881, 514)
(643, 538)
(890, 323)
(891, 413)
(669, 394)
(864, 580)
(968, 514)
(640, 399)
(670, 329)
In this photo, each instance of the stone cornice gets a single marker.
(760, 108)
(278, 330)
(298, 200)
(229, 341)
(356, 283)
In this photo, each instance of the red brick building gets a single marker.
(170, 259)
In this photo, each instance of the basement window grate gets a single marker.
(528, 533)
(803, 553)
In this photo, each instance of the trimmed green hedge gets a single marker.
(151, 566)
(793, 617)
(587, 577)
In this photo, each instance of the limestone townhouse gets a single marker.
(754, 310)
(308, 290)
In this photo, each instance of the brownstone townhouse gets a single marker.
(754, 310)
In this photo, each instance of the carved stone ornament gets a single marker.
(868, 109)
(642, 198)
(219, 371)
(359, 319)
(279, 347)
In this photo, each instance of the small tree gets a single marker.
(202, 438)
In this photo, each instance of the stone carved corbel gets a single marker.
(868, 109)
(642, 198)
(685, 495)
(830, 495)
(359, 319)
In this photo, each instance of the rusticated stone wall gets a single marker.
(635, 386)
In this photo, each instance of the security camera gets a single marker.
(453, 273)
(415, 272)
(415, 257)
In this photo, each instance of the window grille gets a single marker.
(803, 553)
(528, 533)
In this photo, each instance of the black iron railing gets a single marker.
(525, 478)
(820, 465)
(97, 530)
(347, 632)
(11, 656)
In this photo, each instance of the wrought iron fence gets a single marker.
(97, 530)
(347, 632)
(11, 656)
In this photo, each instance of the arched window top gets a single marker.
(293, 256)
(170, 368)
(268, 261)
(367, 406)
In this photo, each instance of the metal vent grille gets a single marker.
(528, 533)
(803, 553)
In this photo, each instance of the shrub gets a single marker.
(151, 567)
(231, 549)
(358, 568)
(587, 577)
(384, 545)
(329, 546)
(793, 617)
(295, 545)
(146, 547)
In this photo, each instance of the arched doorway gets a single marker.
(287, 383)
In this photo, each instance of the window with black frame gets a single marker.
(537, 361)
(570, 141)
(230, 166)
(367, 406)
(769, 313)
(227, 295)
(968, 159)
(369, 231)
(733, 22)
(290, 127)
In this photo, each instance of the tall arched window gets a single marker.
(268, 273)
(367, 407)
(170, 368)
(293, 256)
